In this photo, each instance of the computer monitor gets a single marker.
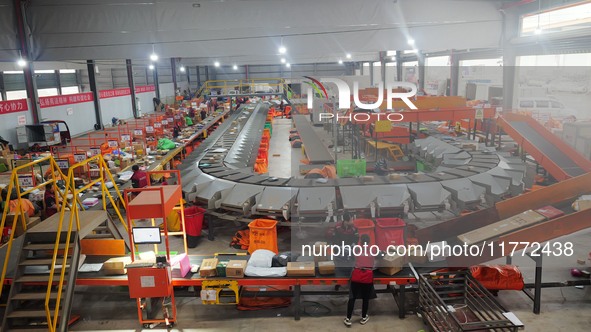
(146, 235)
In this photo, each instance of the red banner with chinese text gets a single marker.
(104, 94)
(12, 106)
(144, 88)
(53, 101)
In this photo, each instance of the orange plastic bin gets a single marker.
(263, 235)
(366, 226)
(389, 231)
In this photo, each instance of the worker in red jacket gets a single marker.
(139, 179)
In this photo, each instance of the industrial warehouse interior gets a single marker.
(256, 165)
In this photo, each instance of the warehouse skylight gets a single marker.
(568, 18)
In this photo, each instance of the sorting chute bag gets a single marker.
(498, 277)
(165, 144)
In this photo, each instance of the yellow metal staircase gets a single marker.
(42, 291)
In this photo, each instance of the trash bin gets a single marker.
(389, 231)
(193, 224)
(366, 226)
(263, 235)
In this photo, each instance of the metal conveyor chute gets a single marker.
(428, 196)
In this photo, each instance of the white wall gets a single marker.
(9, 122)
(119, 107)
(145, 99)
(166, 92)
(81, 120)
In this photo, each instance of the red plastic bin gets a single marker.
(194, 220)
(366, 226)
(390, 231)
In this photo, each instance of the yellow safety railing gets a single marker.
(104, 175)
(14, 185)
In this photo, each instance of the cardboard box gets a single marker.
(391, 264)
(116, 265)
(301, 269)
(414, 255)
(320, 247)
(505, 226)
(581, 205)
(325, 268)
(208, 267)
(11, 218)
(235, 268)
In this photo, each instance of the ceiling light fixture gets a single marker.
(216, 64)
(151, 67)
(348, 56)
(411, 41)
(21, 62)
(235, 67)
(340, 62)
(182, 69)
(153, 56)
(288, 65)
(283, 60)
(282, 48)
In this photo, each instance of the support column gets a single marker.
(90, 65)
(173, 69)
(383, 67)
(399, 66)
(2, 87)
(510, 30)
(454, 74)
(79, 79)
(421, 67)
(198, 78)
(58, 81)
(361, 66)
(246, 73)
(131, 84)
(188, 71)
(371, 73)
(206, 73)
(156, 84)
(30, 83)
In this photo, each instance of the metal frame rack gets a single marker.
(150, 281)
(455, 301)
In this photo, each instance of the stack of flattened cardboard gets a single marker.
(505, 226)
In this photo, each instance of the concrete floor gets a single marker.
(111, 309)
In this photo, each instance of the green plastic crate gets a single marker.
(270, 126)
(351, 167)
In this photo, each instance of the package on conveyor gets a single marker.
(582, 203)
(499, 228)
(235, 268)
(391, 264)
(326, 268)
(208, 267)
(116, 265)
(301, 269)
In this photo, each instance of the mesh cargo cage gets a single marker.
(455, 301)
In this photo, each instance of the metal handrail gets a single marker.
(74, 214)
(20, 213)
